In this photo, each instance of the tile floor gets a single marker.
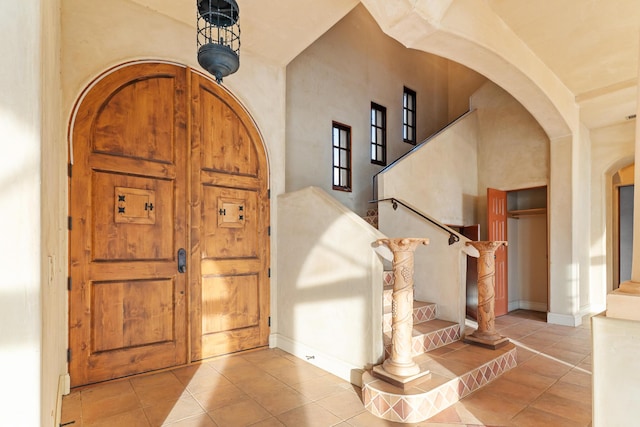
(551, 386)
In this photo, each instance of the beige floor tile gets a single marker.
(256, 356)
(206, 381)
(257, 387)
(344, 404)
(531, 417)
(135, 418)
(71, 408)
(243, 413)
(515, 391)
(187, 373)
(158, 387)
(525, 376)
(570, 391)
(309, 415)
(547, 366)
(269, 422)
(567, 356)
(523, 354)
(262, 384)
(170, 411)
(279, 400)
(102, 402)
(490, 408)
(578, 376)
(202, 420)
(220, 397)
(319, 387)
(448, 416)
(563, 407)
(366, 419)
(301, 372)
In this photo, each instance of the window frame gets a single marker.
(374, 128)
(409, 97)
(336, 165)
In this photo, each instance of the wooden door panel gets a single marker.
(229, 225)
(497, 231)
(137, 120)
(130, 217)
(128, 206)
(229, 302)
(130, 193)
(230, 245)
(130, 314)
(237, 155)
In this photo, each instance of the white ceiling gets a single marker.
(592, 46)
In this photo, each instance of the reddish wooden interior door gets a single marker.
(497, 230)
(128, 208)
(230, 245)
(134, 205)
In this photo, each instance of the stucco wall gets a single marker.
(20, 176)
(513, 150)
(611, 149)
(440, 180)
(330, 285)
(337, 78)
(440, 177)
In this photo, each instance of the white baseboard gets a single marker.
(564, 319)
(339, 368)
(527, 305)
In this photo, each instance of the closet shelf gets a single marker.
(526, 212)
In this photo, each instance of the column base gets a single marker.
(400, 381)
(493, 342)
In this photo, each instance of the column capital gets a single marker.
(487, 245)
(403, 244)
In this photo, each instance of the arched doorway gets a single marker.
(169, 217)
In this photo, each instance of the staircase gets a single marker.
(457, 369)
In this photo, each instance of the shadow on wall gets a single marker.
(329, 293)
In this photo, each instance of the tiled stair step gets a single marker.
(428, 336)
(422, 312)
(387, 295)
(457, 370)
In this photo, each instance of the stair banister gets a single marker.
(453, 236)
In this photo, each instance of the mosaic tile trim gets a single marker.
(419, 407)
(420, 315)
(426, 342)
(424, 313)
(387, 278)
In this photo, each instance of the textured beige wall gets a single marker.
(337, 78)
(21, 288)
(439, 180)
(616, 345)
(53, 220)
(330, 284)
(513, 150)
(612, 148)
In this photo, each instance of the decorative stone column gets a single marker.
(400, 369)
(486, 335)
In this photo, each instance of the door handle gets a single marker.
(182, 260)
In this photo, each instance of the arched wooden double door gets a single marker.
(169, 245)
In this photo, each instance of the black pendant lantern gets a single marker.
(218, 37)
